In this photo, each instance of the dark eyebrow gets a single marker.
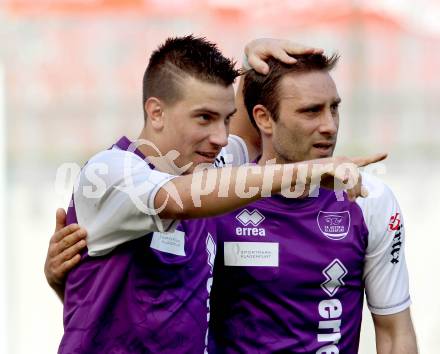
(232, 113)
(317, 106)
(311, 107)
(212, 113)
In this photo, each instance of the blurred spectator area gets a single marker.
(73, 68)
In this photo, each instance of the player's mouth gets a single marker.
(208, 157)
(324, 148)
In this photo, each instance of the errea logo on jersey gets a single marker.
(330, 310)
(334, 273)
(254, 218)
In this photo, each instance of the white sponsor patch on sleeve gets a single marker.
(169, 242)
(251, 254)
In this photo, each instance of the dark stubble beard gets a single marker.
(283, 153)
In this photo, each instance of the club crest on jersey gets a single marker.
(252, 219)
(335, 224)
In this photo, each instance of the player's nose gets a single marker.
(219, 135)
(329, 123)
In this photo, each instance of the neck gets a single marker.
(269, 155)
(151, 145)
(271, 158)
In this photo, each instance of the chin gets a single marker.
(321, 155)
(197, 166)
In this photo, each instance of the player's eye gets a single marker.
(335, 107)
(314, 109)
(204, 117)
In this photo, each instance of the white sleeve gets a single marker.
(234, 154)
(385, 271)
(114, 200)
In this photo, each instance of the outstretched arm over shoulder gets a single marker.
(67, 241)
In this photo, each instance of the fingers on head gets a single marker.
(281, 55)
(295, 48)
(258, 64)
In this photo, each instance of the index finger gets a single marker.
(295, 48)
(258, 64)
(364, 161)
(283, 56)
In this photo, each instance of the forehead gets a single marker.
(306, 88)
(216, 97)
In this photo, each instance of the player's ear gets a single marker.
(263, 119)
(155, 115)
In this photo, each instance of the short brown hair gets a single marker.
(263, 89)
(182, 56)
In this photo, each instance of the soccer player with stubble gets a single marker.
(290, 274)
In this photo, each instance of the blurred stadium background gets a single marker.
(70, 85)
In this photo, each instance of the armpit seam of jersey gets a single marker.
(408, 298)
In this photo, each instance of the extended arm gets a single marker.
(216, 191)
(68, 241)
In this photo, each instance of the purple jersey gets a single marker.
(290, 274)
(145, 295)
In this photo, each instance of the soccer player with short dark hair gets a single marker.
(290, 274)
